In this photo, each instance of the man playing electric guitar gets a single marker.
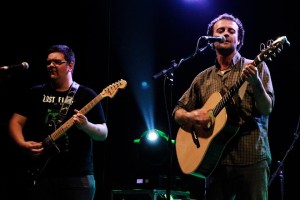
(238, 131)
(69, 173)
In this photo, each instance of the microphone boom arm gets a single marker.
(183, 60)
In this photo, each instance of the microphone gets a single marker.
(22, 66)
(220, 39)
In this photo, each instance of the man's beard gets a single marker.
(225, 51)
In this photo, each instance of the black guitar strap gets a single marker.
(67, 103)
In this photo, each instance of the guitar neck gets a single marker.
(258, 59)
(109, 91)
(68, 124)
(225, 99)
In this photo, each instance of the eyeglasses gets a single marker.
(56, 62)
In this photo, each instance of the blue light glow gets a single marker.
(145, 85)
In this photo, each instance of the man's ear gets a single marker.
(71, 66)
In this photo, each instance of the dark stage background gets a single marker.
(133, 40)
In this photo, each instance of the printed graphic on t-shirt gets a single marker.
(52, 118)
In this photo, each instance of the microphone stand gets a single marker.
(280, 171)
(183, 60)
(168, 73)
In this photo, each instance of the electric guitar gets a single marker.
(34, 168)
(199, 150)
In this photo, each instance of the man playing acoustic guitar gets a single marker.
(223, 135)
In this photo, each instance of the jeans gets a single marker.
(239, 182)
(63, 188)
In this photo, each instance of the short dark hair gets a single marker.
(64, 49)
(241, 31)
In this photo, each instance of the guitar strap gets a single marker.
(242, 89)
(67, 103)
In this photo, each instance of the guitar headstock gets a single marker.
(271, 49)
(111, 90)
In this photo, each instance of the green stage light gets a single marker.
(153, 147)
(153, 136)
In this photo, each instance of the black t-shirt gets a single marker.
(41, 105)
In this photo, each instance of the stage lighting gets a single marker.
(153, 147)
(153, 136)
